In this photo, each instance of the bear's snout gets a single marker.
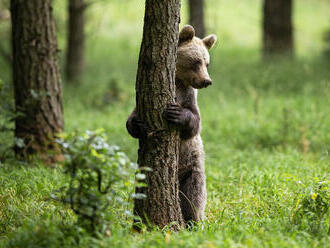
(207, 83)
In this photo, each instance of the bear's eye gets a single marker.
(196, 65)
(207, 65)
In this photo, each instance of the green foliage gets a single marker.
(99, 175)
(312, 208)
(7, 116)
(24, 194)
(46, 234)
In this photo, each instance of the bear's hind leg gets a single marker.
(193, 196)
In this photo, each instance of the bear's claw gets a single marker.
(174, 113)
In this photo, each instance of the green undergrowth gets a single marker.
(255, 199)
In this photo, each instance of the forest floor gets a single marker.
(266, 132)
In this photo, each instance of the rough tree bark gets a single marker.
(36, 76)
(75, 60)
(155, 89)
(277, 28)
(196, 17)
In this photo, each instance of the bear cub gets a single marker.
(191, 74)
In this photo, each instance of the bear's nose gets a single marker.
(207, 83)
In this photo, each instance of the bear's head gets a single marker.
(193, 58)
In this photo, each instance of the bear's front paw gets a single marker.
(175, 114)
(137, 128)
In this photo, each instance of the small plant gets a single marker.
(99, 174)
(312, 208)
(113, 93)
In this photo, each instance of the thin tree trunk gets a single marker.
(36, 76)
(155, 89)
(5, 18)
(196, 15)
(278, 28)
(76, 39)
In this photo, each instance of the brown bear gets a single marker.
(191, 74)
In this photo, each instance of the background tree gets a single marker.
(155, 89)
(196, 16)
(277, 27)
(326, 38)
(75, 60)
(4, 31)
(36, 76)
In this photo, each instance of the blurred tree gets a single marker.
(155, 89)
(196, 16)
(37, 80)
(277, 28)
(75, 60)
(326, 38)
(4, 31)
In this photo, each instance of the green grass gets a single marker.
(266, 131)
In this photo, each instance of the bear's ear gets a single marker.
(210, 40)
(187, 33)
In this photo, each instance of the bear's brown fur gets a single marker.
(191, 74)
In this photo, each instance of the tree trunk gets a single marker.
(76, 39)
(37, 81)
(196, 14)
(4, 33)
(155, 89)
(277, 28)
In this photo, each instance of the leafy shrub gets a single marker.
(99, 178)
